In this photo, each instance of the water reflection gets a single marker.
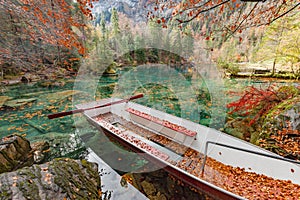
(113, 186)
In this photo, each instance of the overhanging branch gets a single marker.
(202, 11)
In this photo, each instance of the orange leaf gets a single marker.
(25, 8)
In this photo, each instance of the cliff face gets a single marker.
(134, 9)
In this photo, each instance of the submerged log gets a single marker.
(10, 82)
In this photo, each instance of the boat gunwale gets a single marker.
(162, 122)
(219, 132)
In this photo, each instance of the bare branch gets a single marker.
(240, 24)
(285, 13)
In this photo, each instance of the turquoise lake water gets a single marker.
(182, 93)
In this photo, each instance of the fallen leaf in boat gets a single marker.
(123, 182)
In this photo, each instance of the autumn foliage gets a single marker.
(285, 142)
(34, 31)
(226, 16)
(256, 102)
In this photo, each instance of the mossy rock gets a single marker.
(239, 128)
(58, 179)
(284, 115)
(111, 69)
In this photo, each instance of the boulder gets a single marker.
(58, 179)
(15, 153)
(285, 115)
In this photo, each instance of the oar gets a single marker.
(62, 114)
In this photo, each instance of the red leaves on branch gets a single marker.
(45, 31)
(225, 13)
(255, 102)
(54, 22)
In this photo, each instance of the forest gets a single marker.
(51, 35)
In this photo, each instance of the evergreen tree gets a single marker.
(103, 25)
(106, 54)
(139, 43)
(115, 36)
(188, 42)
(127, 43)
(155, 34)
(177, 44)
(97, 20)
(114, 19)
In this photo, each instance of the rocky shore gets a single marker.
(25, 175)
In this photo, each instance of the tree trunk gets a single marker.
(273, 69)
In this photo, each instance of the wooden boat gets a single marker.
(218, 164)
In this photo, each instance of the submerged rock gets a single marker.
(159, 185)
(60, 145)
(18, 102)
(148, 188)
(59, 96)
(41, 151)
(3, 99)
(58, 179)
